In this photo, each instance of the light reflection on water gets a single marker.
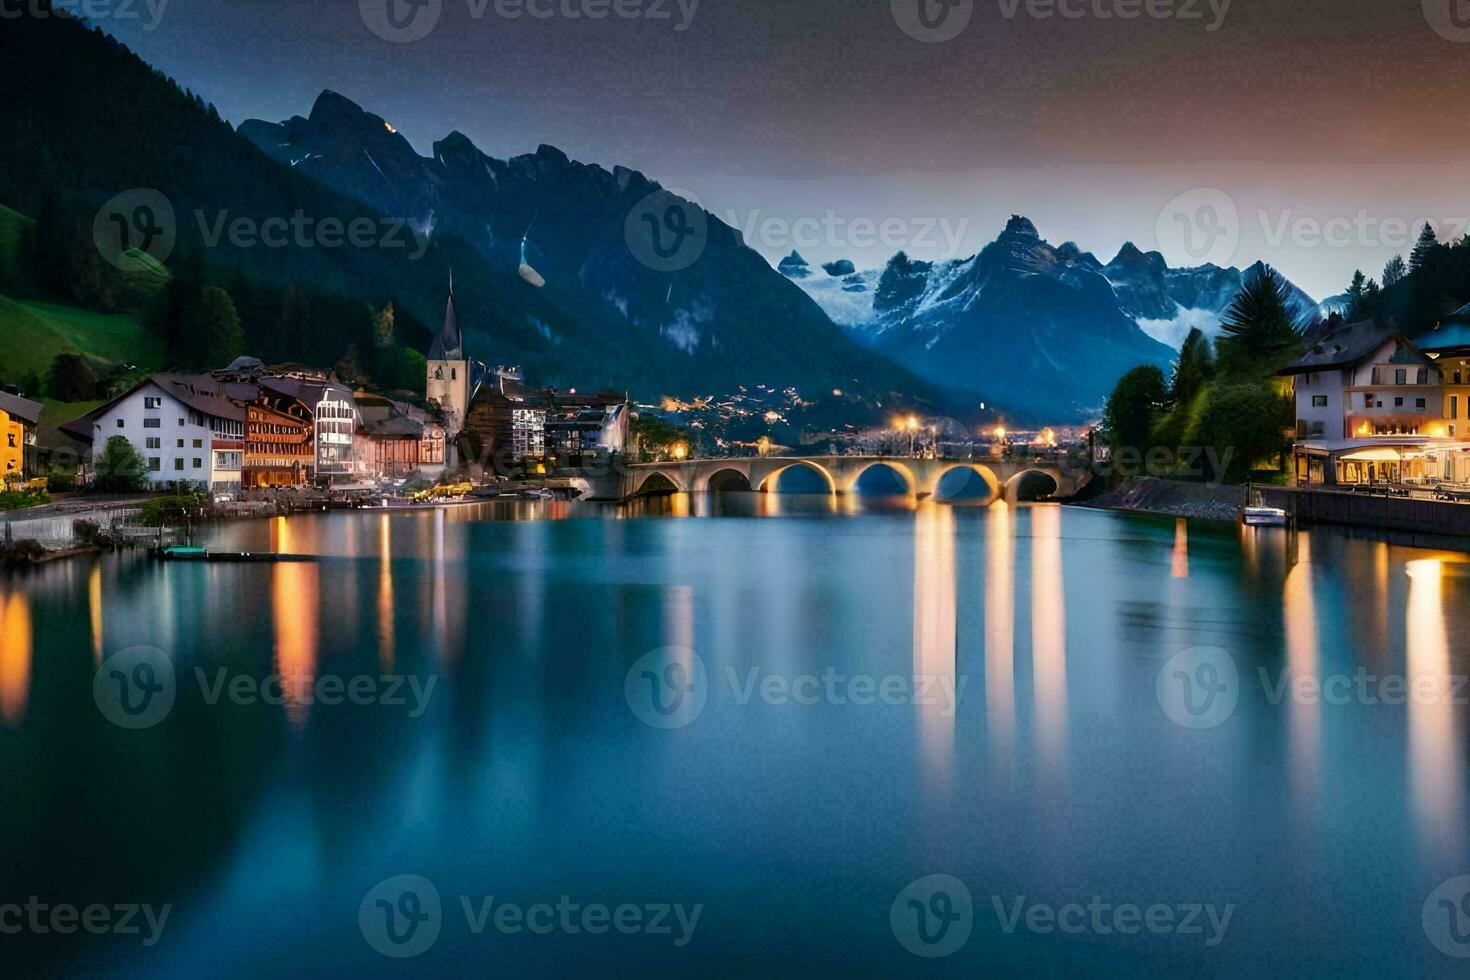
(1057, 775)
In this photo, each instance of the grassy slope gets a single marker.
(13, 226)
(32, 334)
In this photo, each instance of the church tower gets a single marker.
(449, 373)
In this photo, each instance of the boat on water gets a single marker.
(191, 553)
(1264, 517)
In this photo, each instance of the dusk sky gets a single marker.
(1300, 112)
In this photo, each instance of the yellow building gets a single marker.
(18, 419)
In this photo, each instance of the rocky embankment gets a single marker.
(1193, 500)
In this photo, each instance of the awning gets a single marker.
(1374, 456)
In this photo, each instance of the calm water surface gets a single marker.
(1034, 759)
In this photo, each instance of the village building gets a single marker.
(188, 429)
(18, 420)
(1375, 407)
(396, 440)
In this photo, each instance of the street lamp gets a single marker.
(912, 424)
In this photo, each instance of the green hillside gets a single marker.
(32, 334)
(13, 228)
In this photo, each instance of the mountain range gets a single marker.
(1039, 328)
(569, 236)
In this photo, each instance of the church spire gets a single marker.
(447, 345)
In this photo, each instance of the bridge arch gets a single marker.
(1030, 485)
(729, 479)
(905, 474)
(992, 482)
(660, 482)
(773, 478)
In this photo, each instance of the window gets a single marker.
(1457, 377)
(1454, 410)
(119, 423)
(1368, 400)
(1398, 402)
(181, 444)
(198, 443)
(179, 463)
(1378, 376)
(1420, 403)
(1319, 401)
(152, 401)
(153, 442)
(155, 464)
(148, 423)
(1401, 376)
(1423, 377)
(198, 462)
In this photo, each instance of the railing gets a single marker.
(60, 530)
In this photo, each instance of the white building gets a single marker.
(187, 428)
(1373, 407)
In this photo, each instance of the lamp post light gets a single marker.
(912, 424)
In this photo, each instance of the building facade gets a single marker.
(448, 384)
(18, 420)
(1374, 407)
(187, 429)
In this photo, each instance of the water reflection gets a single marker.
(1435, 763)
(1000, 611)
(15, 656)
(934, 637)
(1304, 718)
(1179, 564)
(385, 593)
(94, 609)
(1049, 639)
(295, 602)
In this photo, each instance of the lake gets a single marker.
(747, 735)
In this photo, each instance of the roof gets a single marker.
(201, 392)
(1349, 344)
(395, 425)
(20, 408)
(206, 394)
(447, 345)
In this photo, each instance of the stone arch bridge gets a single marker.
(1011, 479)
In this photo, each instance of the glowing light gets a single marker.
(681, 451)
(912, 423)
(1000, 433)
(763, 445)
(389, 126)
